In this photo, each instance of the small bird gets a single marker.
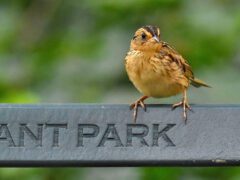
(157, 70)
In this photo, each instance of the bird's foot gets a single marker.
(134, 106)
(185, 106)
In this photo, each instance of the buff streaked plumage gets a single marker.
(157, 70)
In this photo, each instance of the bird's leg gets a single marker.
(134, 106)
(185, 105)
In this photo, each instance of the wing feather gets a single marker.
(178, 59)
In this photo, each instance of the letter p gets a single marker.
(92, 131)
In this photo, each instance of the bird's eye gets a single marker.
(144, 36)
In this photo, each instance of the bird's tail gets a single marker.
(198, 83)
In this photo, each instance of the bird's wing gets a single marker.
(174, 56)
(182, 63)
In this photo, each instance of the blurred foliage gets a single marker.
(39, 173)
(220, 173)
(73, 51)
(41, 39)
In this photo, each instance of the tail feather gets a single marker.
(198, 83)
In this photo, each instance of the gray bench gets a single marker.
(105, 135)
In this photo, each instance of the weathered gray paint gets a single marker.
(105, 135)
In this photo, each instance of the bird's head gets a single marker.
(146, 38)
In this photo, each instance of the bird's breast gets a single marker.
(150, 76)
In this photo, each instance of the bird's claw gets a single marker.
(186, 107)
(134, 107)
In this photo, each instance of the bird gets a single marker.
(157, 70)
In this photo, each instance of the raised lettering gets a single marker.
(7, 135)
(56, 129)
(82, 134)
(162, 133)
(139, 135)
(111, 130)
(25, 129)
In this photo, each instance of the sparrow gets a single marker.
(157, 70)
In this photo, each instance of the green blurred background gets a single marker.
(73, 51)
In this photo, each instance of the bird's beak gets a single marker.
(156, 38)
